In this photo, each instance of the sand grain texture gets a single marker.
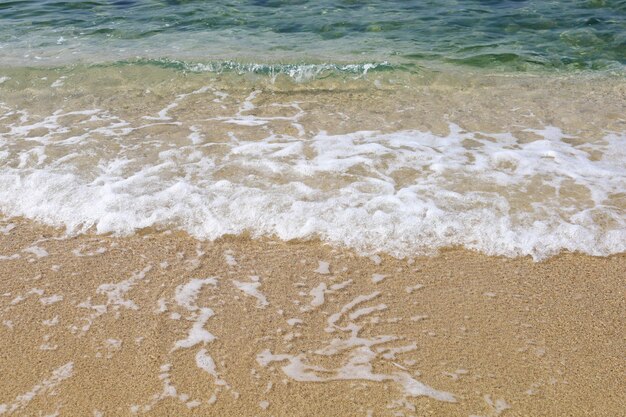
(95, 325)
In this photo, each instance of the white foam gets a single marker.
(168, 391)
(47, 385)
(59, 82)
(5, 230)
(334, 318)
(185, 297)
(411, 289)
(116, 293)
(161, 306)
(340, 285)
(116, 299)
(205, 362)
(55, 298)
(497, 406)
(376, 278)
(79, 251)
(487, 192)
(37, 251)
(113, 343)
(18, 299)
(318, 294)
(360, 356)
(376, 259)
(97, 311)
(51, 322)
(187, 294)
(229, 257)
(251, 289)
(323, 268)
(242, 119)
(163, 113)
(367, 310)
(391, 352)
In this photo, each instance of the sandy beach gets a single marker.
(163, 324)
(327, 208)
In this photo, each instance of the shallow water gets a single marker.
(401, 127)
(393, 162)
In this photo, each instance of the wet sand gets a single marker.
(100, 325)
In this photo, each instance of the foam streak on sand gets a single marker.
(186, 296)
(172, 340)
(315, 213)
(359, 364)
(251, 289)
(46, 386)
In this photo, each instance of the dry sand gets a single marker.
(83, 331)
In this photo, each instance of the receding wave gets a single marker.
(503, 165)
(404, 193)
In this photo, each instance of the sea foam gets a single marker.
(405, 193)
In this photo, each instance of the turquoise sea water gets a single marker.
(504, 34)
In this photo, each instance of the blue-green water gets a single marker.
(504, 34)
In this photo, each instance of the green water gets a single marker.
(503, 35)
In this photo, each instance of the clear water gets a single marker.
(383, 126)
(506, 34)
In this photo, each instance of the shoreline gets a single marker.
(104, 324)
(504, 165)
(263, 65)
(309, 209)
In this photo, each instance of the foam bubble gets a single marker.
(47, 385)
(323, 268)
(116, 293)
(318, 294)
(37, 251)
(361, 354)
(251, 289)
(404, 193)
(186, 296)
(205, 362)
(376, 278)
(55, 298)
